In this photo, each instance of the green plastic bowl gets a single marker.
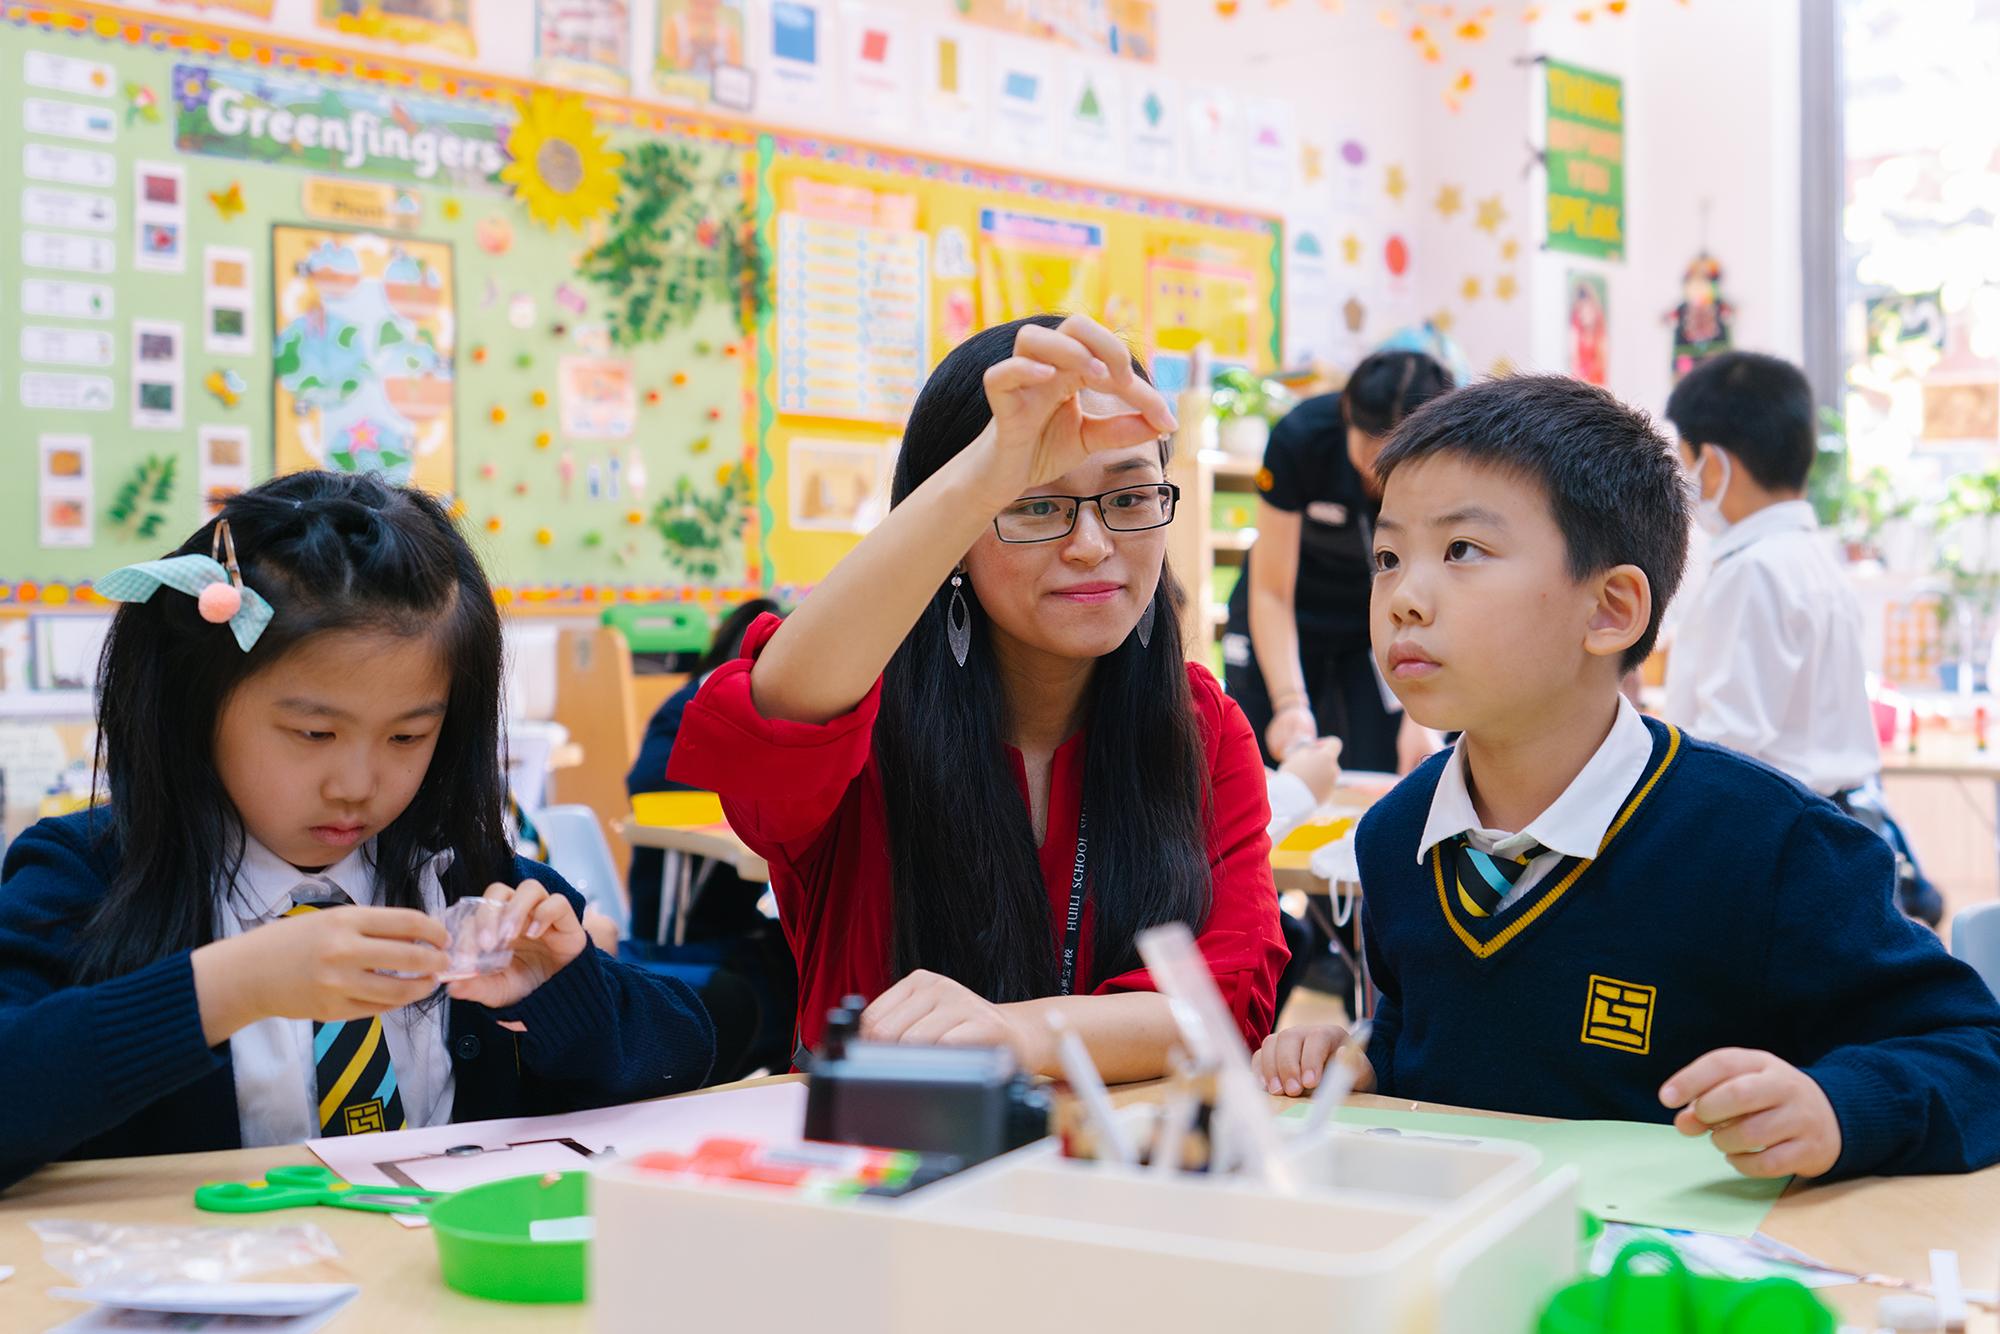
(1675, 1301)
(487, 1245)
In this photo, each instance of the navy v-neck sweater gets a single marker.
(1728, 907)
(116, 1068)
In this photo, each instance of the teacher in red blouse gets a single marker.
(976, 758)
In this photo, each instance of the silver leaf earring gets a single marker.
(1146, 624)
(958, 621)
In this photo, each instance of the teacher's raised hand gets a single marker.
(1042, 426)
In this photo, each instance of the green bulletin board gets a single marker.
(246, 253)
(173, 310)
(1586, 162)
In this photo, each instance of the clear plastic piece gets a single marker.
(482, 935)
(133, 1254)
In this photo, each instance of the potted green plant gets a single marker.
(1827, 485)
(1246, 406)
(1967, 521)
(1869, 503)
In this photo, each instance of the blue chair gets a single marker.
(1975, 938)
(580, 854)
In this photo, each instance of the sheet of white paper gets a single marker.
(519, 1146)
(113, 1319)
(214, 1298)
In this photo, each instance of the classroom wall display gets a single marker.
(584, 44)
(886, 261)
(1589, 327)
(1701, 321)
(696, 39)
(1585, 159)
(1126, 29)
(441, 25)
(316, 257)
(363, 340)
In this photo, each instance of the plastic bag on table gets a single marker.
(138, 1253)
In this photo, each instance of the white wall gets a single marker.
(1711, 101)
(1712, 107)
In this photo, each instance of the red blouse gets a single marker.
(809, 799)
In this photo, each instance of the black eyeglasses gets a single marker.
(1129, 509)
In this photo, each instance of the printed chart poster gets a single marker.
(1586, 162)
(1024, 98)
(1092, 106)
(1150, 115)
(797, 58)
(1214, 138)
(954, 87)
(1126, 29)
(1962, 411)
(838, 486)
(444, 26)
(223, 466)
(598, 397)
(366, 327)
(1589, 327)
(853, 303)
(68, 74)
(881, 57)
(65, 495)
(1189, 300)
(584, 44)
(249, 9)
(1030, 264)
(697, 38)
(223, 111)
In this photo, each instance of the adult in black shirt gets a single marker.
(1296, 648)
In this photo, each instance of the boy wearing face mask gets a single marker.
(1768, 658)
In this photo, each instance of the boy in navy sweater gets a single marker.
(1579, 912)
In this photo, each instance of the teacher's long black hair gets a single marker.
(969, 898)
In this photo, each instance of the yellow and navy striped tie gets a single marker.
(1483, 879)
(352, 1071)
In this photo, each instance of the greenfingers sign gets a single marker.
(344, 131)
(1586, 162)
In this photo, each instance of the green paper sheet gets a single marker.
(1630, 1172)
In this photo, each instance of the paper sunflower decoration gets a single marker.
(561, 170)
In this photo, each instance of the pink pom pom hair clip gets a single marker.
(217, 588)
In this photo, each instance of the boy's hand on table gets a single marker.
(1768, 1116)
(1292, 1060)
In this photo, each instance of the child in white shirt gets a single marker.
(1768, 659)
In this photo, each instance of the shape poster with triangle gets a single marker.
(1093, 110)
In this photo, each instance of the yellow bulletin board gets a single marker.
(885, 261)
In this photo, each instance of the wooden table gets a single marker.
(1878, 1225)
(1885, 1225)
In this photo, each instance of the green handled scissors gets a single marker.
(300, 1187)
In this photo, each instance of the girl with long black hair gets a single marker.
(299, 727)
(975, 756)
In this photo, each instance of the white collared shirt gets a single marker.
(277, 1097)
(1768, 658)
(1574, 826)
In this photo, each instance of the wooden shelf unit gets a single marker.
(1195, 547)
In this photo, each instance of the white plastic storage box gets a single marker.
(1385, 1235)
